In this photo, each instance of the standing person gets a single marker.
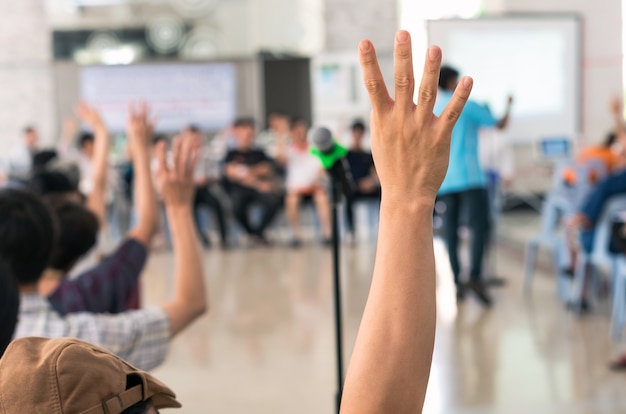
(465, 185)
(206, 174)
(363, 173)
(250, 180)
(20, 161)
(305, 178)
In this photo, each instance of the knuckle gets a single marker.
(403, 81)
(426, 95)
(453, 115)
(373, 85)
(404, 52)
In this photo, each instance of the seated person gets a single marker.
(278, 124)
(28, 235)
(9, 305)
(305, 178)
(605, 153)
(363, 173)
(206, 174)
(111, 286)
(65, 375)
(251, 180)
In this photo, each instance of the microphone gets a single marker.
(333, 158)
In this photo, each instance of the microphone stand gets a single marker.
(336, 192)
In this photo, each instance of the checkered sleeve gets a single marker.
(140, 337)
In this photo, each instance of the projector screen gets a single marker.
(535, 60)
(178, 94)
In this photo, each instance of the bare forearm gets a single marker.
(145, 200)
(97, 200)
(189, 290)
(395, 342)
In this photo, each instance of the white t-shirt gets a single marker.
(303, 168)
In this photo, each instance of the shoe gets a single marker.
(619, 364)
(460, 293)
(481, 293)
(327, 242)
(583, 306)
(259, 241)
(295, 243)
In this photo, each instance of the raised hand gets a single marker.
(175, 179)
(410, 144)
(139, 128)
(89, 115)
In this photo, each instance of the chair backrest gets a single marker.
(614, 206)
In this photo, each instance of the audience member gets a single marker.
(112, 285)
(278, 125)
(367, 185)
(251, 180)
(65, 375)
(465, 185)
(206, 174)
(305, 178)
(20, 159)
(390, 364)
(28, 235)
(9, 305)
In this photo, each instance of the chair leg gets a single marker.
(619, 291)
(580, 279)
(530, 262)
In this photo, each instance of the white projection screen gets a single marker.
(537, 60)
(178, 94)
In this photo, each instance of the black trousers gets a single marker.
(244, 198)
(205, 198)
(474, 203)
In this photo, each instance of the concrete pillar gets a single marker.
(26, 90)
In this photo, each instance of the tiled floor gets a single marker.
(267, 345)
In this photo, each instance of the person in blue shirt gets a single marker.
(464, 188)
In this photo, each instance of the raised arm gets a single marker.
(391, 361)
(139, 133)
(504, 121)
(96, 201)
(177, 190)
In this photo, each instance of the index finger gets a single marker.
(372, 76)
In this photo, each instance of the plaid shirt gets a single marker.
(140, 337)
(109, 287)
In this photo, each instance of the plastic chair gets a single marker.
(618, 314)
(590, 263)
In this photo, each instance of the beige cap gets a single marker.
(68, 376)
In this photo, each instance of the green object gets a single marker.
(329, 159)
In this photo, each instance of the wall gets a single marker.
(26, 89)
(602, 53)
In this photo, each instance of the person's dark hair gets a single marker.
(78, 232)
(297, 120)
(9, 306)
(610, 139)
(28, 129)
(244, 122)
(44, 183)
(28, 234)
(194, 128)
(446, 74)
(42, 159)
(158, 138)
(358, 125)
(84, 138)
(140, 408)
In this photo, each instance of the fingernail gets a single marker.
(365, 45)
(433, 52)
(467, 82)
(402, 36)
